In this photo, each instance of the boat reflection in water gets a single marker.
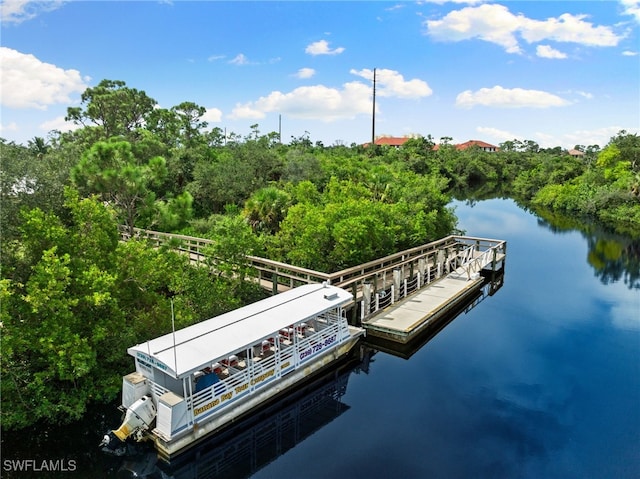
(252, 444)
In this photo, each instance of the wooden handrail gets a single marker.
(348, 277)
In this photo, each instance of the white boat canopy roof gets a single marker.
(200, 344)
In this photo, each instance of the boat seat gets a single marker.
(301, 329)
(231, 361)
(287, 333)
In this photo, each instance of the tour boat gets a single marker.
(194, 382)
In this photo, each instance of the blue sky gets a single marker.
(558, 73)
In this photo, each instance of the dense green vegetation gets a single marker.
(73, 297)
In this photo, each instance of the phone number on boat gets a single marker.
(310, 351)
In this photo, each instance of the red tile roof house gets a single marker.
(480, 144)
(396, 142)
(393, 141)
(471, 143)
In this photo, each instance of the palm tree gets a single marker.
(266, 208)
(39, 146)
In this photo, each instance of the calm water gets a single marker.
(541, 380)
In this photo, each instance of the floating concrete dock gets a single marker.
(406, 319)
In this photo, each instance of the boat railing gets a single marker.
(157, 390)
(236, 379)
(328, 336)
(204, 396)
(231, 384)
(263, 364)
(239, 381)
(286, 359)
(329, 329)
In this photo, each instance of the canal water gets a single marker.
(540, 379)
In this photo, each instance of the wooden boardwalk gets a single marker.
(394, 297)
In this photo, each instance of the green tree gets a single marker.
(353, 223)
(39, 146)
(233, 241)
(629, 147)
(165, 125)
(76, 297)
(417, 152)
(220, 182)
(189, 117)
(300, 166)
(111, 170)
(33, 176)
(61, 307)
(113, 108)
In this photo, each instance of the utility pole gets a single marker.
(373, 116)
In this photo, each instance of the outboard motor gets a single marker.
(138, 419)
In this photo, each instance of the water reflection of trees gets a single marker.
(614, 260)
(613, 257)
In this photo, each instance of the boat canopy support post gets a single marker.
(189, 397)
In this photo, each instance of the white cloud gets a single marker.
(442, 2)
(632, 7)
(566, 140)
(584, 94)
(390, 83)
(214, 58)
(492, 23)
(496, 24)
(545, 51)
(239, 59)
(500, 97)
(9, 127)
(628, 53)
(328, 104)
(30, 83)
(247, 112)
(17, 11)
(311, 102)
(58, 124)
(569, 28)
(212, 115)
(305, 73)
(321, 47)
(497, 134)
(600, 136)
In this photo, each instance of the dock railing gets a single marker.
(375, 284)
